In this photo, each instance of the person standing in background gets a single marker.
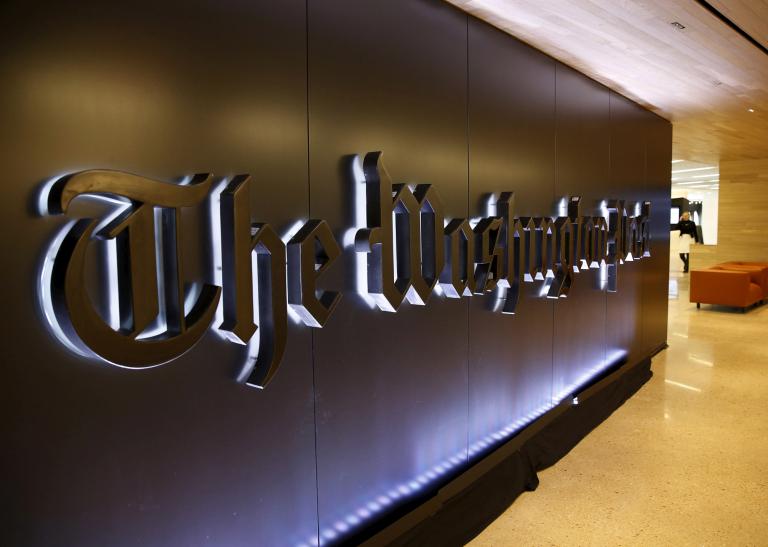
(687, 232)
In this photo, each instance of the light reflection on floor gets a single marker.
(674, 290)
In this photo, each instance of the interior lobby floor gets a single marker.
(683, 462)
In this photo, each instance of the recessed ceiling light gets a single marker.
(677, 25)
(750, 109)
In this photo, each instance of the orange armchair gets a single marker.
(725, 287)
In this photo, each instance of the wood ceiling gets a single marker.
(704, 78)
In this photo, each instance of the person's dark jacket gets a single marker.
(688, 227)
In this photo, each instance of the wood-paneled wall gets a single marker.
(742, 230)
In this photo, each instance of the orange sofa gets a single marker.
(758, 272)
(727, 287)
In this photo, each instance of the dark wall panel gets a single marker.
(179, 454)
(583, 149)
(624, 315)
(391, 387)
(658, 165)
(376, 407)
(511, 148)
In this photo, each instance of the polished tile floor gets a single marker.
(684, 462)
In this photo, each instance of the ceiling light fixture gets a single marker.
(750, 109)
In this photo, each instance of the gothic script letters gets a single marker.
(412, 252)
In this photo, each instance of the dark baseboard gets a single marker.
(472, 499)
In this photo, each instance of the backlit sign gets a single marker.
(407, 249)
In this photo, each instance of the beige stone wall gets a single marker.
(742, 230)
